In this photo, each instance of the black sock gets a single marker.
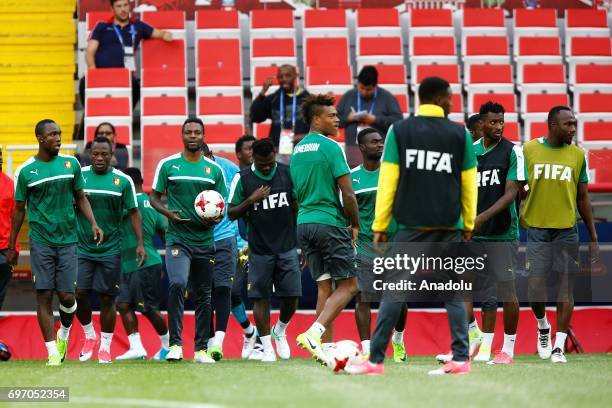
(221, 299)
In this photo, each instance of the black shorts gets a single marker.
(54, 268)
(280, 271)
(551, 250)
(100, 273)
(140, 289)
(225, 262)
(329, 251)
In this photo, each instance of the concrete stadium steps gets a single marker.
(37, 39)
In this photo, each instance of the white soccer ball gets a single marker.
(209, 205)
(343, 354)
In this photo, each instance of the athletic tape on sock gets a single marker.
(70, 309)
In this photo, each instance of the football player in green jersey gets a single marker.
(111, 194)
(190, 246)
(48, 183)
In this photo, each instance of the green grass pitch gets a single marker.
(586, 380)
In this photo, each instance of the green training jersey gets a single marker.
(183, 180)
(516, 172)
(48, 188)
(554, 174)
(152, 221)
(110, 195)
(316, 163)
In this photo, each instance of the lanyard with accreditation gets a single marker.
(128, 52)
(361, 112)
(285, 145)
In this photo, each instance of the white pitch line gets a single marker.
(136, 402)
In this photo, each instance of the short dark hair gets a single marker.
(472, 120)
(192, 119)
(105, 124)
(364, 132)
(491, 107)
(313, 104)
(102, 139)
(263, 147)
(206, 149)
(431, 87)
(368, 75)
(40, 126)
(134, 174)
(242, 140)
(554, 112)
(112, 2)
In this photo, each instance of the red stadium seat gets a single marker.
(102, 82)
(402, 100)
(108, 107)
(537, 50)
(260, 74)
(158, 142)
(164, 81)
(165, 20)
(585, 23)
(325, 23)
(535, 108)
(483, 21)
(489, 77)
(94, 17)
(599, 164)
(262, 130)
(220, 53)
(214, 80)
(272, 23)
(374, 22)
(543, 103)
(226, 134)
(163, 54)
(379, 50)
(536, 78)
(430, 22)
(391, 76)
(217, 24)
(220, 109)
(273, 47)
(450, 72)
(596, 131)
(434, 46)
(334, 79)
(593, 78)
(535, 130)
(326, 52)
(483, 50)
(512, 131)
(535, 23)
(593, 106)
(590, 47)
(164, 106)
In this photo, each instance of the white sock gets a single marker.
(398, 337)
(51, 348)
(543, 323)
(219, 337)
(560, 340)
(165, 340)
(508, 347)
(280, 328)
(266, 341)
(249, 331)
(327, 346)
(487, 339)
(105, 341)
(210, 343)
(473, 326)
(63, 332)
(365, 346)
(90, 332)
(135, 342)
(317, 328)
